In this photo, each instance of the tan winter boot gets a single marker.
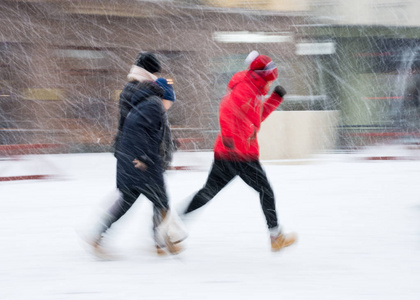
(165, 226)
(160, 251)
(282, 240)
(173, 248)
(97, 248)
(169, 248)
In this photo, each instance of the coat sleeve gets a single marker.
(235, 123)
(244, 100)
(270, 105)
(226, 122)
(147, 123)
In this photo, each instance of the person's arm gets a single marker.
(245, 101)
(148, 120)
(275, 99)
(227, 122)
(233, 118)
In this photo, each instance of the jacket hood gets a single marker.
(236, 78)
(249, 76)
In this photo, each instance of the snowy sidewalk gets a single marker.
(358, 225)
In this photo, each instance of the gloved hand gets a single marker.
(279, 90)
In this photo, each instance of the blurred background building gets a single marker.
(63, 64)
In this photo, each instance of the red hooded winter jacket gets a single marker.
(240, 115)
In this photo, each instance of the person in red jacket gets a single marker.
(236, 150)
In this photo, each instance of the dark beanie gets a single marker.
(148, 61)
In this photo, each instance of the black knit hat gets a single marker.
(148, 61)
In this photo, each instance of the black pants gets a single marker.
(223, 172)
(156, 194)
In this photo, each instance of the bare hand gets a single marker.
(139, 165)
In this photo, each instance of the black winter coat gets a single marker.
(140, 139)
(167, 147)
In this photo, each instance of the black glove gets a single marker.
(279, 90)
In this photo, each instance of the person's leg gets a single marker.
(253, 175)
(221, 173)
(159, 198)
(119, 208)
(114, 213)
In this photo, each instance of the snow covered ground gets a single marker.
(358, 224)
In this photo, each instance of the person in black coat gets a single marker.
(140, 140)
(139, 165)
